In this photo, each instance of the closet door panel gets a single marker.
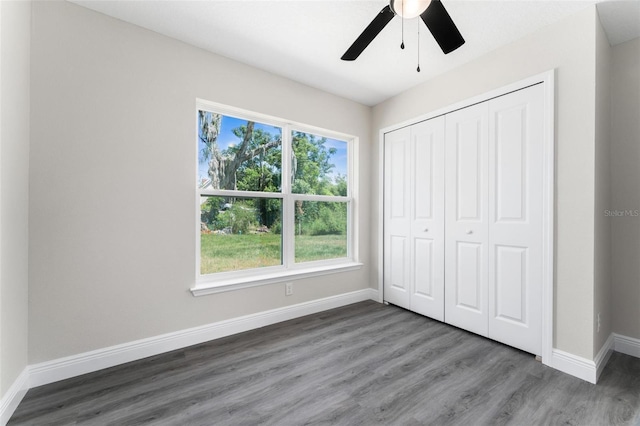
(515, 218)
(469, 262)
(423, 269)
(466, 215)
(427, 218)
(397, 218)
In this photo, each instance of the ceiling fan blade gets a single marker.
(379, 22)
(442, 27)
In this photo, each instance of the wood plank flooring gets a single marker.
(363, 364)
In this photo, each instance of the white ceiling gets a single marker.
(303, 40)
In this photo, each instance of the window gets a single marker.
(275, 200)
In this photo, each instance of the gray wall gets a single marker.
(569, 47)
(15, 18)
(112, 231)
(602, 276)
(625, 158)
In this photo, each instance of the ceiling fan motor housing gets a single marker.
(409, 9)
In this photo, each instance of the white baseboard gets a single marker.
(602, 357)
(75, 365)
(626, 345)
(13, 396)
(591, 370)
(574, 365)
(375, 296)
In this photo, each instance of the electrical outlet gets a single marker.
(598, 324)
(288, 289)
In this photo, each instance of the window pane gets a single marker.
(239, 233)
(321, 230)
(319, 165)
(237, 154)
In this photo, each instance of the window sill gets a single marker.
(211, 287)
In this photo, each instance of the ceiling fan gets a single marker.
(433, 14)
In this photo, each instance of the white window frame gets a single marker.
(289, 270)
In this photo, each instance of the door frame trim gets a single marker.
(548, 191)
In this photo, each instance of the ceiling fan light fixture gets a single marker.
(409, 9)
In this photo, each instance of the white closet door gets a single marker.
(466, 214)
(515, 218)
(427, 218)
(397, 218)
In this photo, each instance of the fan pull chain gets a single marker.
(402, 44)
(418, 69)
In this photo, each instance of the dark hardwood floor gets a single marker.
(362, 364)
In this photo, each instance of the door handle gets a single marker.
(469, 232)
